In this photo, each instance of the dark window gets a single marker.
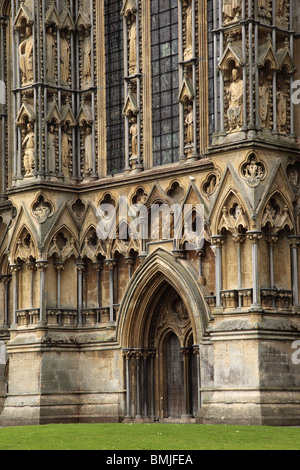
(165, 81)
(114, 86)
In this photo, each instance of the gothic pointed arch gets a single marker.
(24, 247)
(158, 271)
(232, 214)
(277, 214)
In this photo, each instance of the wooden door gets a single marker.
(174, 378)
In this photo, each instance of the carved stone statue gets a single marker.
(132, 46)
(282, 8)
(263, 8)
(64, 58)
(190, 125)
(254, 172)
(29, 150)
(51, 149)
(281, 111)
(50, 55)
(293, 177)
(87, 63)
(211, 185)
(88, 148)
(26, 57)
(264, 97)
(134, 137)
(41, 212)
(189, 32)
(282, 17)
(232, 10)
(235, 96)
(65, 149)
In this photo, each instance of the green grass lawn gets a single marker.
(148, 437)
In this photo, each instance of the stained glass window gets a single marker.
(165, 81)
(114, 86)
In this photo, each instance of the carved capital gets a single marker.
(217, 240)
(111, 263)
(271, 238)
(59, 267)
(254, 236)
(238, 238)
(294, 241)
(14, 268)
(42, 265)
(80, 267)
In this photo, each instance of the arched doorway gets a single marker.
(162, 375)
(163, 310)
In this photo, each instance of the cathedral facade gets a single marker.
(109, 109)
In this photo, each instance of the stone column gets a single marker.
(32, 268)
(152, 355)
(145, 384)
(42, 266)
(14, 269)
(294, 242)
(187, 382)
(271, 240)
(80, 269)
(59, 268)
(218, 241)
(6, 278)
(201, 254)
(196, 351)
(130, 262)
(138, 356)
(111, 264)
(127, 355)
(239, 239)
(98, 266)
(254, 236)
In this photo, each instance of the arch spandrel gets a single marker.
(155, 274)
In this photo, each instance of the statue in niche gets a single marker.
(132, 45)
(263, 8)
(64, 58)
(29, 150)
(189, 121)
(26, 57)
(50, 54)
(211, 185)
(235, 95)
(87, 62)
(134, 137)
(282, 8)
(51, 149)
(88, 148)
(65, 149)
(232, 10)
(189, 32)
(264, 97)
(293, 177)
(282, 14)
(281, 110)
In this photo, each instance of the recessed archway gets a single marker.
(161, 319)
